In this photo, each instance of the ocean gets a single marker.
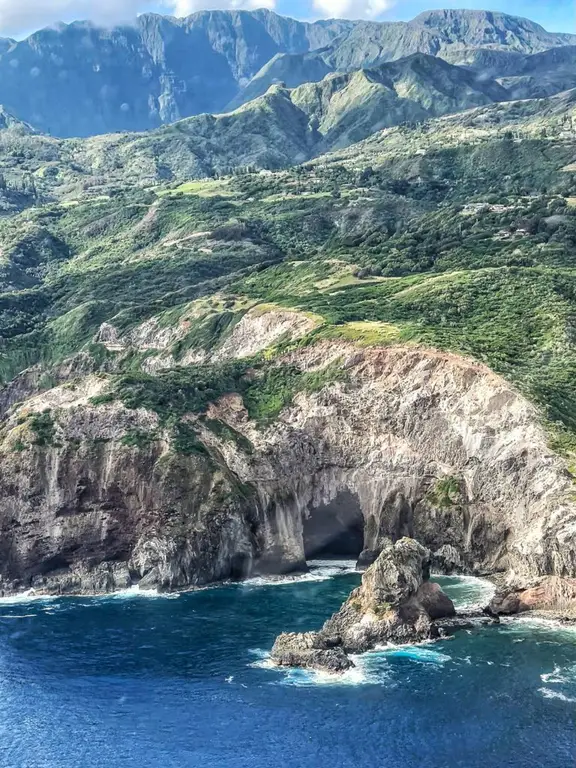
(139, 680)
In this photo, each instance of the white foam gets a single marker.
(369, 668)
(553, 677)
(320, 570)
(26, 597)
(363, 673)
(367, 671)
(548, 693)
(418, 653)
(136, 591)
(125, 594)
(539, 624)
(484, 591)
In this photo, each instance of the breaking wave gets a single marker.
(26, 597)
(468, 593)
(548, 693)
(320, 570)
(418, 653)
(368, 670)
(125, 594)
(136, 591)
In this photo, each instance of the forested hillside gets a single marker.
(459, 233)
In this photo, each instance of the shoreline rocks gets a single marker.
(551, 594)
(310, 650)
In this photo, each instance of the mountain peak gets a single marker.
(468, 17)
(490, 29)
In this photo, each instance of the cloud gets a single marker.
(186, 7)
(353, 9)
(26, 15)
(22, 16)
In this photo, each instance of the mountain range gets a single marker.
(82, 80)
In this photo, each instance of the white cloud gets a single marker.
(19, 17)
(353, 9)
(186, 7)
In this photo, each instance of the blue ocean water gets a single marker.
(140, 681)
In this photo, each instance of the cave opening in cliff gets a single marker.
(335, 529)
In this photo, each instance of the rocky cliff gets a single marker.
(138, 76)
(404, 441)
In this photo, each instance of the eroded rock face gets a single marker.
(551, 594)
(429, 445)
(395, 604)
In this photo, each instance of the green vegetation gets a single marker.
(137, 438)
(44, 429)
(185, 440)
(458, 234)
(445, 493)
(174, 393)
(226, 432)
(266, 396)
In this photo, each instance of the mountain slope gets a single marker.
(487, 29)
(347, 108)
(453, 35)
(82, 80)
(542, 74)
(79, 80)
(278, 129)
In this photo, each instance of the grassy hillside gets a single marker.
(459, 233)
(281, 128)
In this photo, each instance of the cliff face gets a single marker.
(410, 442)
(90, 512)
(157, 70)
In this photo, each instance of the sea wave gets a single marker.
(560, 675)
(548, 693)
(367, 671)
(320, 570)
(480, 592)
(124, 594)
(370, 668)
(418, 653)
(26, 597)
(539, 624)
(136, 591)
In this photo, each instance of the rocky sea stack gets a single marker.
(396, 603)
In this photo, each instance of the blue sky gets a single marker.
(555, 15)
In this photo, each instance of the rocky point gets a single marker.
(396, 603)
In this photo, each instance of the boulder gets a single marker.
(434, 601)
(310, 651)
(447, 560)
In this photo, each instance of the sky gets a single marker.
(20, 17)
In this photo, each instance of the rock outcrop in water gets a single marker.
(395, 604)
(408, 441)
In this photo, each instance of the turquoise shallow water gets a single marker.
(147, 682)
